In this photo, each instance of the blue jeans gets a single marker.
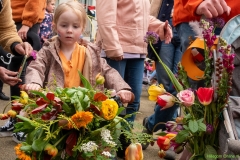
(131, 71)
(170, 55)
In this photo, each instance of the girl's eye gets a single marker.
(75, 26)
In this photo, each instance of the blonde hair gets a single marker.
(76, 7)
(49, 1)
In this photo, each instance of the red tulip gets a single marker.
(205, 95)
(163, 142)
(165, 101)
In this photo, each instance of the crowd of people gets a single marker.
(28, 25)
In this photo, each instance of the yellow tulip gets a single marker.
(134, 152)
(155, 91)
(23, 97)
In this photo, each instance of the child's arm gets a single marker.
(30, 87)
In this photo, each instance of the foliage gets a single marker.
(198, 129)
(72, 123)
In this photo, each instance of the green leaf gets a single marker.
(70, 92)
(68, 110)
(182, 136)
(185, 127)
(39, 144)
(202, 126)
(161, 134)
(40, 94)
(193, 126)
(210, 152)
(26, 148)
(85, 82)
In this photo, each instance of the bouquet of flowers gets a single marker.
(72, 124)
(202, 108)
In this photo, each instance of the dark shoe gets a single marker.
(125, 143)
(170, 155)
(19, 137)
(4, 97)
(146, 130)
(7, 129)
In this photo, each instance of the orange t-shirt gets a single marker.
(72, 66)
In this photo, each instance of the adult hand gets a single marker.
(167, 32)
(24, 48)
(9, 77)
(126, 96)
(23, 32)
(213, 8)
(30, 87)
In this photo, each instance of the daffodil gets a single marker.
(155, 91)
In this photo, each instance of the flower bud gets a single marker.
(134, 152)
(171, 126)
(23, 97)
(99, 79)
(12, 113)
(165, 101)
(161, 153)
(178, 149)
(51, 150)
(179, 119)
(3, 116)
(163, 142)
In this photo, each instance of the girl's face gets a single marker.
(68, 28)
(51, 6)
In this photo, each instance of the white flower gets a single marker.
(106, 153)
(106, 136)
(89, 146)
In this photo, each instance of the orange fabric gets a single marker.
(72, 66)
(29, 12)
(184, 10)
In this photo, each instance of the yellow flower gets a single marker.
(23, 97)
(82, 118)
(20, 154)
(155, 91)
(109, 109)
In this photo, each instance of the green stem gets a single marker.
(6, 107)
(61, 139)
(171, 76)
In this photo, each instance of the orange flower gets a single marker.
(134, 152)
(109, 109)
(20, 154)
(82, 118)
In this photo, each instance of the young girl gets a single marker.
(62, 57)
(46, 25)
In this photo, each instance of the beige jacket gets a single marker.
(122, 25)
(8, 31)
(47, 68)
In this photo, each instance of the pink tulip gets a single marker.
(205, 95)
(165, 101)
(186, 97)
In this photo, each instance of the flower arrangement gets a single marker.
(78, 123)
(202, 108)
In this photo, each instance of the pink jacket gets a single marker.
(122, 25)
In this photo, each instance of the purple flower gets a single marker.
(209, 129)
(34, 54)
(151, 37)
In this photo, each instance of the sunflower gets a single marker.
(109, 109)
(20, 154)
(82, 118)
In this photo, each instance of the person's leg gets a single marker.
(133, 77)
